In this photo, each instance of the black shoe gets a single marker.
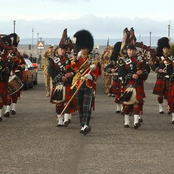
(13, 112)
(137, 125)
(0, 119)
(140, 120)
(161, 112)
(7, 114)
(66, 123)
(117, 112)
(81, 130)
(169, 112)
(60, 125)
(87, 130)
(126, 126)
(172, 122)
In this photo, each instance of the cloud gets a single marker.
(67, 1)
(100, 27)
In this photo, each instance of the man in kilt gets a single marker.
(170, 98)
(18, 67)
(160, 67)
(133, 73)
(7, 44)
(61, 73)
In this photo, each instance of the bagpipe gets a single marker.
(128, 39)
(146, 52)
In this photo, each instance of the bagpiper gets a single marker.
(61, 73)
(133, 72)
(160, 67)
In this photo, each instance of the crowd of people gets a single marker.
(72, 68)
(126, 67)
(70, 78)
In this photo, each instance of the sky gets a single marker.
(103, 18)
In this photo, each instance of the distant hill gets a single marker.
(55, 41)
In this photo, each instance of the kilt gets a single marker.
(3, 93)
(15, 96)
(112, 89)
(140, 94)
(73, 104)
(161, 87)
(118, 91)
(170, 97)
(68, 93)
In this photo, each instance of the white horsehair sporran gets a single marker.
(129, 96)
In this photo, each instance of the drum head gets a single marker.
(11, 78)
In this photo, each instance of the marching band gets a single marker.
(74, 72)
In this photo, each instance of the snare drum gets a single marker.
(14, 84)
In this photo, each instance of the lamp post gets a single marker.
(140, 38)
(32, 37)
(169, 31)
(37, 42)
(150, 33)
(14, 23)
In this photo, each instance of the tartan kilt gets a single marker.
(112, 89)
(68, 93)
(118, 92)
(3, 93)
(16, 96)
(73, 104)
(170, 97)
(161, 87)
(140, 94)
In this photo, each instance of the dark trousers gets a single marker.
(84, 98)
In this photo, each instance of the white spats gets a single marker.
(0, 115)
(136, 118)
(172, 117)
(13, 107)
(161, 110)
(118, 108)
(66, 117)
(7, 109)
(59, 120)
(0, 112)
(126, 119)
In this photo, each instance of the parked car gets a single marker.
(29, 75)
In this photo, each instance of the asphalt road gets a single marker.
(30, 142)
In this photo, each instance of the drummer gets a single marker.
(18, 67)
(5, 67)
